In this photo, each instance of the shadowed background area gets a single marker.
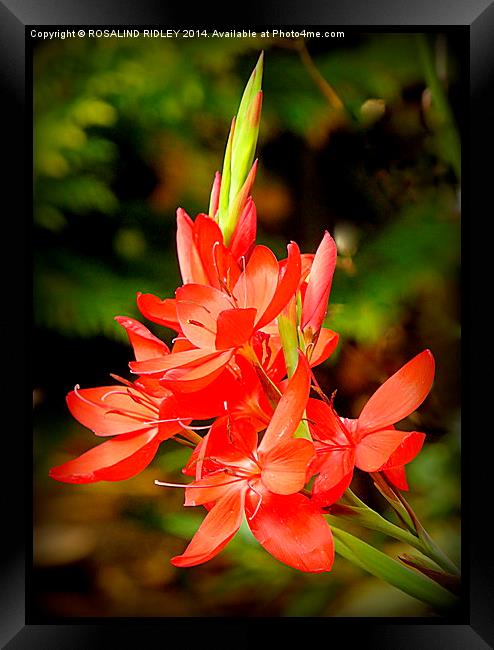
(359, 136)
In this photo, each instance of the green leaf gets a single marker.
(182, 524)
(382, 566)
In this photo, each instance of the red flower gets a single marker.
(314, 288)
(263, 482)
(371, 442)
(237, 392)
(273, 361)
(138, 420)
(219, 322)
(316, 292)
(320, 341)
(204, 259)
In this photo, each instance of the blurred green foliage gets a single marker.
(417, 249)
(127, 130)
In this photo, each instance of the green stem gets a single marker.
(372, 520)
(427, 545)
(431, 549)
(393, 499)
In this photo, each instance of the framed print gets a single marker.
(250, 264)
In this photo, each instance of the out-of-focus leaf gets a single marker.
(409, 254)
(82, 297)
(182, 524)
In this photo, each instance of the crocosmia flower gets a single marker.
(370, 442)
(216, 323)
(261, 481)
(137, 421)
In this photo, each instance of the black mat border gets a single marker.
(473, 626)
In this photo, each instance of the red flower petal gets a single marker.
(251, 401)
(215, 194)
(146, 345)
(400, 395)
(210, 488)
(181, 344)
(187, 358)
(325, 346)
(169, 410)
(325, 425)
(207, 238)
(407, 451)
(397, 476)
(196, 377)
(256, 285)
(114, 460)
(235, 327)
(96, 408)
(244, 235)
(232, 443)
(189, 260)
(290, 408)
(319, 284)
(152, 386)
(335, 476)
(284, 467)
(198, 308)
(209, 402)
(196, 461)
(376, 448)
(217, 529)
(289, 277)
(291, 529)
(162, 312)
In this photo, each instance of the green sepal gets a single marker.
(238, 204)
(244, 145)
(225, 180)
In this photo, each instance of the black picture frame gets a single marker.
(473, 626)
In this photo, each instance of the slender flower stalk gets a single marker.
(360, 513)
(425, 543)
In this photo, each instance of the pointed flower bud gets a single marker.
(238, 170)
(214, 201)
(239, 203)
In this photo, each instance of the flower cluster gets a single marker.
(249, 330)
